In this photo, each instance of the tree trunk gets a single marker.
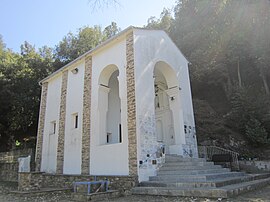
(239, 75)
(228, 87)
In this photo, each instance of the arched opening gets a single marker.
(167, 108)
(109, 106)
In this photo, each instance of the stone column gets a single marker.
(131, 106)
(86, 125)
(62, 123)
(41, 123)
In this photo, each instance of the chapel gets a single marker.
(118, 109)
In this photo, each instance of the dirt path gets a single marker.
(262, 195)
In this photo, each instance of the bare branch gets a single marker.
(100, 4)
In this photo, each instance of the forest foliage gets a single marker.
(227, 43)
(21, 72)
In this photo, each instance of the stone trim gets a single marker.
(131, 106)
(86, 116)
(62, 121)
(41, 124)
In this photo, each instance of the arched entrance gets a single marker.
(168, 109)
(109, 106)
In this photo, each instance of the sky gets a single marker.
(46, 22)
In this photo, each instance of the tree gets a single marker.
(2, 44)
(256, 132)
(72, 46)
(111, 30)
(164, 22)
(20, 92)
(227, 43)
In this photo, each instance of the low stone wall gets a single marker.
(29, 181)
(9, 164)
(35, 181)
(253, 166)
(9, 172)
(12, 156)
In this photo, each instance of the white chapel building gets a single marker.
(118, 109)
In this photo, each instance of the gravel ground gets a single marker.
(261, 195)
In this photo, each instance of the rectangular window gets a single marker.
(75, 120)
(120, 133)
(53, 127)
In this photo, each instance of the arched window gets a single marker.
(109, 106)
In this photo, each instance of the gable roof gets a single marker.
(108, 41)
(100, 46)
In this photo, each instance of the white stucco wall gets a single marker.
(73, 136)
(113, 115)
(150, 48)
(49, 151)
(108, 159)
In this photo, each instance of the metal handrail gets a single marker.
(208, 151)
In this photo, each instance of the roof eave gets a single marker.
(108, 41)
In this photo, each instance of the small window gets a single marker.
(53, 127)
(109, 137)
(120, 133)
(75, 120)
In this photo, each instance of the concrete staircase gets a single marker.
(195, 177)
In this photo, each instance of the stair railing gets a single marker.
(207, 152)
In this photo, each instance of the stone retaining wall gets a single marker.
(9, 172)
(9, 164)
(253, 166)
(35, 181)
(29, 181)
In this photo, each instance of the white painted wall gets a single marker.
(151, 47)
(114, 107)
(49, 147)
(109, 159)
(73, 136)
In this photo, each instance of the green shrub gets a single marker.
(256, 133)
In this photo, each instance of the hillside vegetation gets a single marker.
(227, 43)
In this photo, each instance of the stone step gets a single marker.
(195, 178)
(214, 176)
(176, 184)
(192, 172)
(211, 183)
(224, 192)
(189, 167)
(238, 180)
(188, 163)
(181, 159)
(236, 189)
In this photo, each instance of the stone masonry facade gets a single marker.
(131, 106)
(38, 180)
(86, 116)
(62, 120)
(41, 124)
